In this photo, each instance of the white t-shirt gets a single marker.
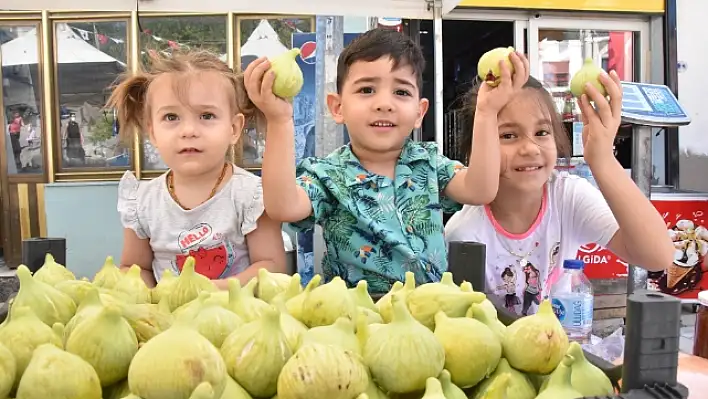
(573, 213)
(214, 233)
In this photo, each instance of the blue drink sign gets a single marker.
(651, 105)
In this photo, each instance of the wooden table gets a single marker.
(693, 374)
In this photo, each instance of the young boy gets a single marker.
(380, 198)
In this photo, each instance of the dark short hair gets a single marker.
(378, 43)
(560, 135)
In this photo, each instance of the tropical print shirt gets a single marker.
(376, 228)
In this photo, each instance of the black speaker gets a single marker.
(35, 249)
(652, 333)
(467, 261)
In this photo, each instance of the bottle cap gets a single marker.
(573, 264)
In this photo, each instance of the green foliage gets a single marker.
(101, 129)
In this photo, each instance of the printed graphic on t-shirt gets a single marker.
(553, 255)
(532, 288)
(554, 269)
(213, 255)
(508, 289)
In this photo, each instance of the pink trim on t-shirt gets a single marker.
(536, 223)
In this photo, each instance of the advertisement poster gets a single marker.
(687, 225)
(304, 113)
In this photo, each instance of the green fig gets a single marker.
(288, 75)
(384, 304)
(8, 371)
(588, 73)
(428, 299)
(174, 363)
(450, 390)
(106, 342)
(188, 285)
(109, 275)
(433, 389)
(488, 66)
(499, 388)
(328, 302)
(519, 385)
(294, 303)
(271, 284)
(322, 371)
(537, 343)
(558, 383)
(341, 334)
(463, 339)
(52, 272)
(479, 312)
(362, 297)
(54, 373)
(403, 354)
(48, 303)
(133, 285)
(587, 378)
(256, 353)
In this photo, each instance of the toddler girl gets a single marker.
(539, 217)
(192, 108)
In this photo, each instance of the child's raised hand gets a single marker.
(492, 99)
(600, 124)
(258, 79)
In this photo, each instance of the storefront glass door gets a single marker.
(558, 46)
(467, 35)
(20, 103)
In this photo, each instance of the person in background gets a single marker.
(380, 198)
(15, 130)
(539, 217)
(193, 108)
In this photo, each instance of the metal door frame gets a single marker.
(520, 19)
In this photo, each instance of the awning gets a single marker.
(414, 9)
(71, 49)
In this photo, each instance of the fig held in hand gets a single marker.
(288, 75)
(488, 66)
(589, 73)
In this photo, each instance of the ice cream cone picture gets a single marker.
(690, 247)
(675, 273)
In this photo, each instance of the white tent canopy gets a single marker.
(263, 42)
(71, 49)
(415, 9)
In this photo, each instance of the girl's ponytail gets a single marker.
(251, 113)
(128, 99)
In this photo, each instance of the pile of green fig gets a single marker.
(114, 338)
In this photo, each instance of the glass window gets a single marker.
(271, 37)
(89, 58)
(167, 33)
(561, 55)
(21, 98)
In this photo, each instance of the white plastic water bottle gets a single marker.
(572, 300)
